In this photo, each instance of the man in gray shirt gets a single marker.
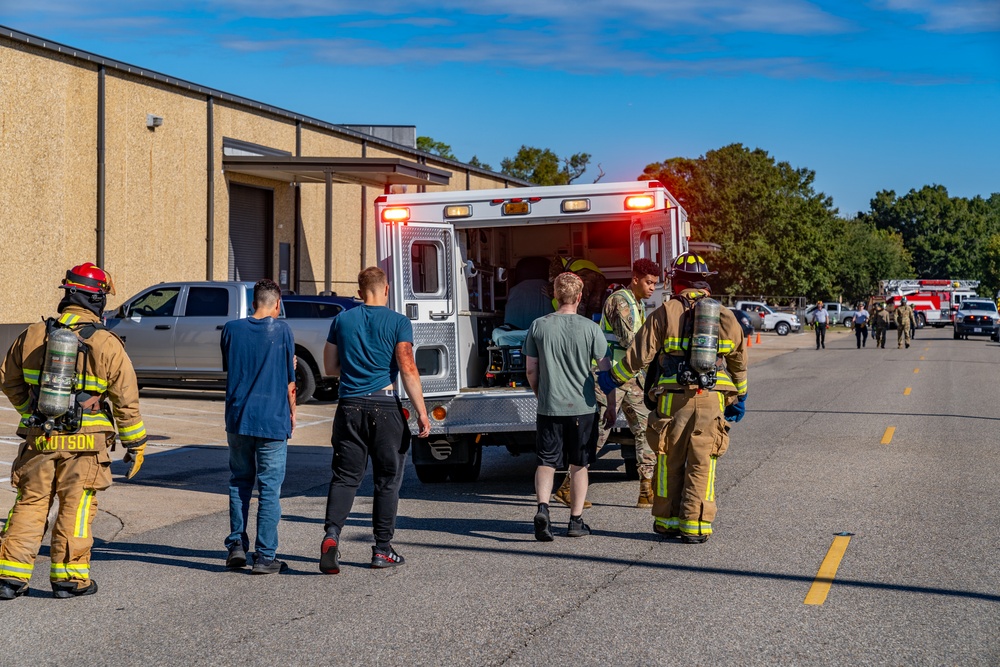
(821, 317)
(561, 349)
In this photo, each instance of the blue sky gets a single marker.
(870, 94)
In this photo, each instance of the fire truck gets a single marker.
(934, 301)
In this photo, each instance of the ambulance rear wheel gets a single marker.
(468, 472)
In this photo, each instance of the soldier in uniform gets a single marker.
(880, 323)
(688, 430)
(67, 456)
(904, 321)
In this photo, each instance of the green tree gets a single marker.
(429, 145)
(865, 255)
(777, 233)
(476, 162)
(542, 166)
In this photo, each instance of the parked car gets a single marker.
(976, 317)
(312, 306)
(173, 331)
(780, 323)
(746, 322)
(839, 314)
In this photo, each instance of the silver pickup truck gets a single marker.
(172, 333)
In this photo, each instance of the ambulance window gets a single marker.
(159, 302)
(425, 266)
(650, 247)
(429, 360)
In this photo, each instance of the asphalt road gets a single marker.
(918, 583)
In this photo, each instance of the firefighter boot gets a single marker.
(11, 588)
(645, 494)
(562, 495)
(70, 590)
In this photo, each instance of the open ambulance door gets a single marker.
(419, 259)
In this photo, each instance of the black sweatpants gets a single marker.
(862, 335)
(363, 428)
(820, 334)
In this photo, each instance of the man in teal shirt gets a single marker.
(561, 349)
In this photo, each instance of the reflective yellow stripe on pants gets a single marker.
(81, 527)
(68, 571)
(11, 570)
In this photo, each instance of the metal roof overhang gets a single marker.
(377, 172)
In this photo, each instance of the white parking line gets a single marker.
(4, 479)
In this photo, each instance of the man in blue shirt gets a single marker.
(861, 325)
(368, 348)
(258, 354)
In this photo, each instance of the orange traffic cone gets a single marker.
(758, 338)
(749, 342)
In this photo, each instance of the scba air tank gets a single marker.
(705, 337)
(55, 393)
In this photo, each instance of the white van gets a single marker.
(452, 259)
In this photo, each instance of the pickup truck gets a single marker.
(771, 320)
(839, 314)
(172, 334)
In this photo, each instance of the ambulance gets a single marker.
(452, 259)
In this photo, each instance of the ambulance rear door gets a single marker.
(419, 258)
(659, 235)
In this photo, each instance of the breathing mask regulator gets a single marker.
(699, 367)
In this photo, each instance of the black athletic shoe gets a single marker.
(10, 589)
(577, 528)
(329, 559)
(63, 591)
(543, 526)
(693, 539)
(382, 558)
(236, 558)
(265, 566)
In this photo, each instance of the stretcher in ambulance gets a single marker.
(459, 266)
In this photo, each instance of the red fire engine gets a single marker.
(934, 301)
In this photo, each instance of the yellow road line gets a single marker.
(906, 392)
(828, 570)
(916, 370)
(887, 436)
(921, 358)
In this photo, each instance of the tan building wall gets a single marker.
(156, 185)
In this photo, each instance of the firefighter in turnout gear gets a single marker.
(70, 401)
(693, 401)
(880, 324)
(906, 321)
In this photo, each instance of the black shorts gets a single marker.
(562, 441)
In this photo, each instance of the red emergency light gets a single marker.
(639, 202)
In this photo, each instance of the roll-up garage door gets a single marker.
(251, 216)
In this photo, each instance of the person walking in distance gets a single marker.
(258, 355)
(689, 428)
(560, 350)
(368, 348)
(72, 382)
(904, 321)
(880, 325)
(861, 325)
(821, 318)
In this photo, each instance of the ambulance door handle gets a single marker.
(162, 326)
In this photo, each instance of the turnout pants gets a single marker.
(364, 428)
(628, 397)
(40, 478)
(690, 436)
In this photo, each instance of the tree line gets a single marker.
(780, 236)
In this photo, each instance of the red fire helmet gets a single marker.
(88, 277)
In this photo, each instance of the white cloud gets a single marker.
(951, 15)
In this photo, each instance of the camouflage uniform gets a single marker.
(880, 323)
(623, 315)
(904, 320)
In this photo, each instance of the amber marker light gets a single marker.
(439, 413)
(639, 202)
(400, 214)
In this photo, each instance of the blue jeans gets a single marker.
(253, 459)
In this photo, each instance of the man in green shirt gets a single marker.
(561, 349)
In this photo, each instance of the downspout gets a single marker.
(297, 266)
(210, 196)
(364, 213)
(328, 268)
(101, 151)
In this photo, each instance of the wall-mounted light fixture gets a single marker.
(153, 121)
